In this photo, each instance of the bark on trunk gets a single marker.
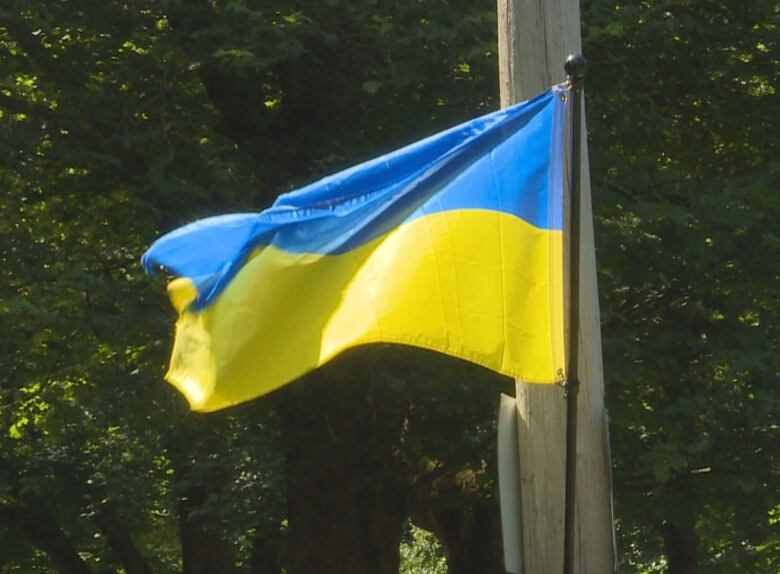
(346, 501)
(266, 556)
(40, 528)
(469, 530)
(203, 550)
(681, 547)
(122, 544)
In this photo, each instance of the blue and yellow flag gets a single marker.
(453, 243)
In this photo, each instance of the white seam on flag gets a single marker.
(556, 186)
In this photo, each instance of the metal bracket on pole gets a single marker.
(575, 67)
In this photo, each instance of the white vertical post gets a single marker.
(535, 37)
(509, 484)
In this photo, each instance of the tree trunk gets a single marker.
(681, 545)
(346, 500)
(122, 544)
(470, 533)
(266, 555)
(40, 528)
(203, 550)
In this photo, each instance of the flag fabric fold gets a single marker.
(453, 243)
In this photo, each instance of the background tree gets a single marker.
(684, 155)
(123, 121)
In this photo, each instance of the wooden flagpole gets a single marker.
(534, 40)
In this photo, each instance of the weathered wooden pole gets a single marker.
(534, 40)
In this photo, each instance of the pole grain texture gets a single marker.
(534, 38)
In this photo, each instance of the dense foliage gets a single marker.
(685, 162)
(120, 121)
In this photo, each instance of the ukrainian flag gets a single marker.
(453, 243)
